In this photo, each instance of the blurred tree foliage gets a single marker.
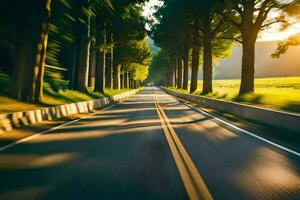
(293, 9)
(66, 43)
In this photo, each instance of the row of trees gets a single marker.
(203, 32)
(101, 43)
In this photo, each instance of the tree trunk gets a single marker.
(248, 60)
(100, 63)
(129, 80)
(108, 71)
(121, 80)
(81, 80)
(195, 57)
(168, 78)
(173, 83)
(179, 73)
(41, 57)
(100, 72)
(29, 67)
(116, 76)
(109, 62)
(126, 84)
(171, 77)
(23, 62)
(195, 68)
(185, 69)
(92, 65)
(82, 65)
(72, 72)
(175, 73)
(207, 65)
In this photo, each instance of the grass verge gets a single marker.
(51, 97)
(280, 93)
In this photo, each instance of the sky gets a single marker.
(148, 11)
(271, 34)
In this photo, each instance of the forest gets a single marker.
(66, 47)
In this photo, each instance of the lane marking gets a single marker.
(190, 176)
(26, 139)
(243, 130)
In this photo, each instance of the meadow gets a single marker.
(280, 93)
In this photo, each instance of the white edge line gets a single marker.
(49, 130)
(244, 131)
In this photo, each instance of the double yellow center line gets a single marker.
(192, 181)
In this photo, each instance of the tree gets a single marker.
(103, 42)
(82, 29)
(179, 72)
(59, 33)
(85, 16)
(128, 30)
(159, 67)
(213, 28)
(195, 57)
(249, 17)
(39, 68)
(185, 68)
(32, 26)
(134, 56)
(172, 16)
(101, 49)
(198, 25)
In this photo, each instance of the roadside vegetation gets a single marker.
(205, 33)
(280, 93)
(61, 51)
(51, 97)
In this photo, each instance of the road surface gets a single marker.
(150, 146)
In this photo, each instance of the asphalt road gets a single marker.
(150, 146)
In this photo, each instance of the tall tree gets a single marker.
(213, 27)
(195, 58)
(161, 65)
(83, 45)
(179, 72)
(100, 61)
(39, 68)
(128, 29)
(83, 12)
(185, 68)
(172, 16)
(109, 59)
(249, 17)
(32, 26)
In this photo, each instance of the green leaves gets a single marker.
(284, 45)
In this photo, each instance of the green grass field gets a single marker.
(282, 93)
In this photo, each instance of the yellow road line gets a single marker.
(190, 176)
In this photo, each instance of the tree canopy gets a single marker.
(71, 43)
